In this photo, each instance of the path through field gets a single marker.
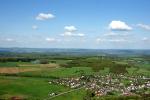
(49, 98)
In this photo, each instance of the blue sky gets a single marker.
(95, 24)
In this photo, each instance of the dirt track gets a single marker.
(14, 70)
(40, 65)
(26, 68)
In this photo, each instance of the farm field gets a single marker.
(27, 88)
(75, 78)
(74, 50)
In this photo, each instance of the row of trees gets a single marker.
(90, 95)
(15, 59)
(98, 64)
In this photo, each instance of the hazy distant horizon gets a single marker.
(73, 48)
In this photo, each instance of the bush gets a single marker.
(44, 61)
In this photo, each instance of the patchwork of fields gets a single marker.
(28, 80)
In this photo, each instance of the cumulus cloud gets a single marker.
(119, 25)
(70, 28)
(144, 26)
(45, 16)
(35, 27)
(71, 31)
(49, 39)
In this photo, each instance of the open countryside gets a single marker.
(74, 49)
(75, 77)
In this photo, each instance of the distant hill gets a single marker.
(120, 52)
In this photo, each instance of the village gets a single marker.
(102, 85)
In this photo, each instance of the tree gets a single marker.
(44, 61)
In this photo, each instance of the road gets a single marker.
(64, 93)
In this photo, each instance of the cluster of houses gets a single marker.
(105, 84)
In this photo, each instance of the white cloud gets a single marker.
(71, 31)
(80, 34)
(112, 34)
(52, 39)
(70, 28)
(35, 27)
(99, 40)
(146, 27)
(45, 16)
(118, 40)
(9, 39)
(145, 39)
(66, 34)
(73, 34)
(119, 25)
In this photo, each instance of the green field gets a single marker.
(31, 88)
(31, 80)
(60, 72)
